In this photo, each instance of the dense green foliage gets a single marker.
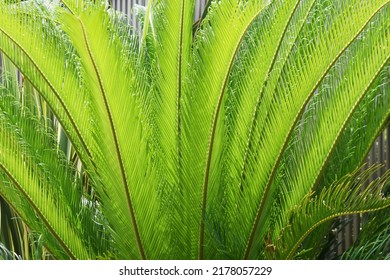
(239, 138)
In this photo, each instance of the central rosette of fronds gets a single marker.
(236, 137)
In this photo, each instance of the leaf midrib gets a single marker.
(179, 84)
(39, 212)
(116, 142)
(329, 218)
(345, 123)
(264, 198)
(57, 95)
(295, 247)
(255, 114)
(212, 134)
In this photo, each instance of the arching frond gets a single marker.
(351, 197)
(206, 140)
(50, 191)
(329, 113)
(35, 54)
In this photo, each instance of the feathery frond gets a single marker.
(215, 140)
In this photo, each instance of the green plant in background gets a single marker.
(16, 241)
(241, 140)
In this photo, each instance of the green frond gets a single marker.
(168, 22)
(88, 31)
(345, 197)
(220, 139)
(26, 159)
(35, 55)
(226, 24)
(262, 47)
(329, 113)
(368, 121)
(290, 90)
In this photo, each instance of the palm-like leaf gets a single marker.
(196, 146)
(316, 209)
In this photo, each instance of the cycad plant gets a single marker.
(239, 137)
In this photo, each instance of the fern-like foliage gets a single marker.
(238, 137)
